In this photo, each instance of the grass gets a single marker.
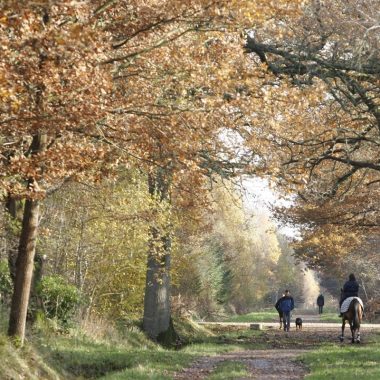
(22, 363)
(272, 316)
(83, 358)
(133, 357)
(348, 362)
(257, 316)
(330, 317)
(105, 352)
(229, 370)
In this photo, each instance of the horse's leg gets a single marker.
(357, 335)
(343, 326)
(352, 331)
(360, 317)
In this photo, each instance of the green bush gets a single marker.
(59, 299)
(6, 285)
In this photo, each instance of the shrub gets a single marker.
(59, 299)
(6, 285)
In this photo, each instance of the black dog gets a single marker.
(299, 323)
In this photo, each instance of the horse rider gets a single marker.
(350, 289)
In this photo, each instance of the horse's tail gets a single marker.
(356, 319)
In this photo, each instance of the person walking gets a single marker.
(286, 305)
(277, 306)
(320, 303)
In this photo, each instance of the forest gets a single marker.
(130, 132)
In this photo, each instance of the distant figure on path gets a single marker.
(277, 306)
(350, 289)
(320, 303)
(286, 305)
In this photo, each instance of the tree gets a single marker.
(324, 71)
(99, 108)
(25, 257)
(96, 237)
(334, 147)
(51, 91)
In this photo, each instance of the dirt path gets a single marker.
(278, 358)
(262, 365)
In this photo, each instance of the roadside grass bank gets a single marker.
(99, 350)
(348, 361)
(257, 316)
(22, 363)
(330, 317)
(133, 356)
(272, 316)
(103, 352)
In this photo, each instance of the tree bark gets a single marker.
(26, 253)
(15, 210)
(24, 271)
(157, 294)
(157, 314)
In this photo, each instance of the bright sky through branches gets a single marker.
(258, 195)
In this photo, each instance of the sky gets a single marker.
(258, 194)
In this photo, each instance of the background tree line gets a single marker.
(224, 259)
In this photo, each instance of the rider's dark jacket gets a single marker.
(350, 289)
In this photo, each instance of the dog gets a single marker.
(299, 323)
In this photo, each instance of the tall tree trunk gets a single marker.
(157, 291)
(157, 314)
(24, 270)
(15, 210)
(26, 253)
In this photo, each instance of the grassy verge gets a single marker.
(348, 362)
(330, 317)
(104, 352)
(257, 316)
(133, 356)
(23, 363)
(272, 316)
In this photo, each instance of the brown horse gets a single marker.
(354, 316)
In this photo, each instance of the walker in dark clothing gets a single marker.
(320, 303)
(286, 305)
(277, 305)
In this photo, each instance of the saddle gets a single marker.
(346, 304)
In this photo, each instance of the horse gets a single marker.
(354, 316)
